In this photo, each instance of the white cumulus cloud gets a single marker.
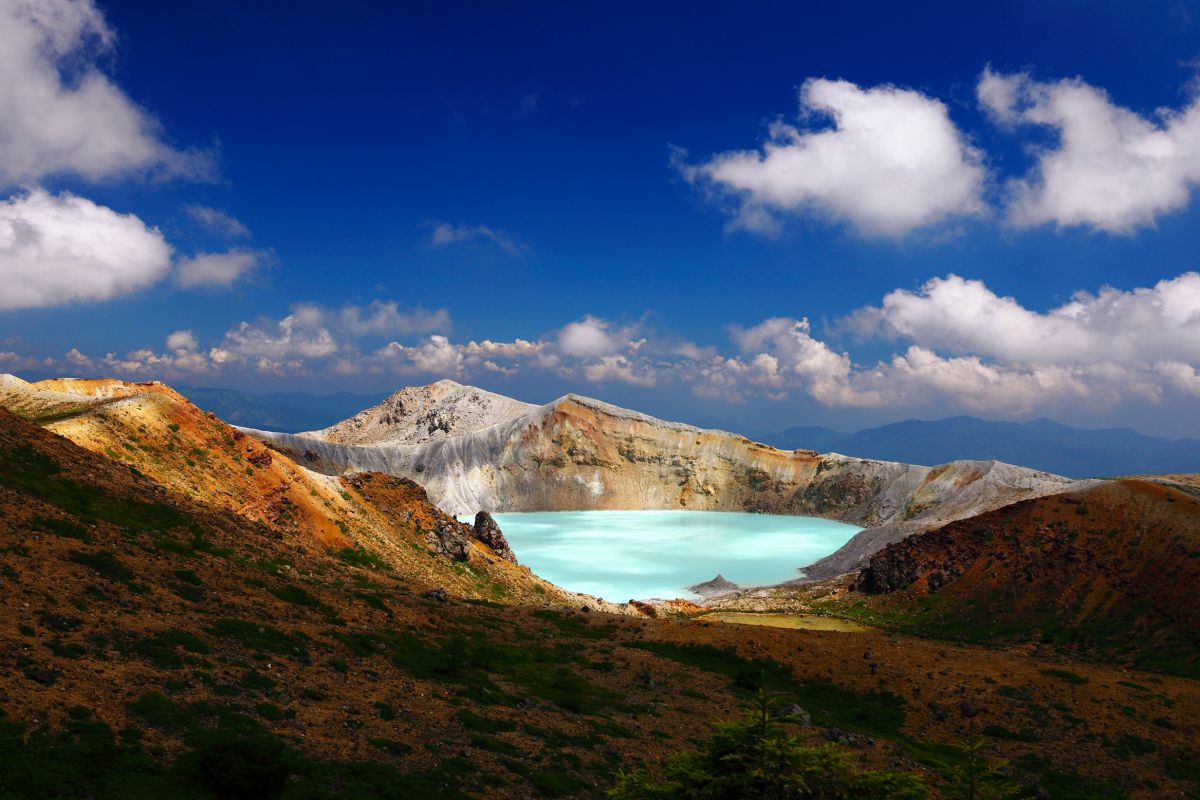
(782, 349)
(622, 369)
(217, 269)
(218, 222)
(1146, 324)
(57, 249)
(301, 334)
(182, 340)
(1110, 169)
(893, 161)
(592, 337)
(445, 233)
(313, 333)
(59, 113)
(435, 356)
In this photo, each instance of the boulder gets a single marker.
(449, 538)
(716, 586)
(487, 531)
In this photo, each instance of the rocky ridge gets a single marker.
(1113, 568)
(577, 453)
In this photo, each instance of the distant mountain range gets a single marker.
(1040, 444)
(281, 411)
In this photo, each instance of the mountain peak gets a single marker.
(419, 414)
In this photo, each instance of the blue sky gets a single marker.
(765, 216)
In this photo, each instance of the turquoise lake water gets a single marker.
(622, 555)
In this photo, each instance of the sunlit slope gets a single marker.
(196, 632)
(154, 430)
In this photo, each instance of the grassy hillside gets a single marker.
(1111, 572)
(156, 641)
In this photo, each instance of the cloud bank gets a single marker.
(958, 345)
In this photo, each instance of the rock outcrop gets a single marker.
(717, 586)
(581, 454)
(450, 538)
(487, 530)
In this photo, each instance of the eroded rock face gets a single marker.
(582, 454)
(449, 538)
(487, 530)
(577, 453)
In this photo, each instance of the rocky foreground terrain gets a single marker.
(171, 627)
(158, 433)
(473, 450)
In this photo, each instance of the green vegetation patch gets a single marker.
(558, 782)
(374, 601)
(358, 557)
(293, 594)
(476, 664)
(110, 567)
(66, 649)
(1065, 675)
(60, 527)
(1129, 745)
(262, 637)
(1184, 767)
(494, 745)
(747, 675)
(188, 576)
(481, 724)
(391, 746)
(28, 470)
(230, 755)
(756, 756)
(1068, 785)
(162, 649)
(1130, 632)
(880, 713)
(1001, 732)
(574, 624)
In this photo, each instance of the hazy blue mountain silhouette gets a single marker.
(1039, 444)
(290, 412)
